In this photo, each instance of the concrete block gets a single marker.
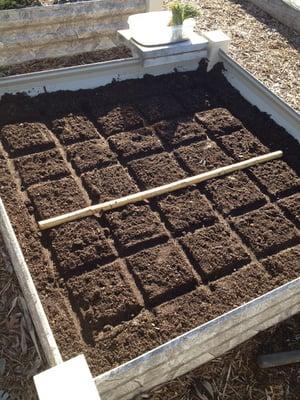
(216, 40)
(196, 43)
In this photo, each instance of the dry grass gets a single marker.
(19, 359)
(261, 44)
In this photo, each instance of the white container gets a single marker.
(153, 28)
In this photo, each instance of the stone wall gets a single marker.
(283, 11)
(38, 32)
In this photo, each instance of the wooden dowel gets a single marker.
(147, 194)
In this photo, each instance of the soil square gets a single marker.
(200, 306)
(218, 121)
(247, 283)
(215, 251)
(108, 183)
(291, 206)
(135, 226)
(180, 131)
(276, 178)
(41, 167)
(74, 128)
(156, 170)
(242, 145)
(266, 230)
(158, 108)
(26, 138)
(195, 100)
(103, 296)
(186, 210)
(79, 243)
(120, 119)
(284, 266)
(201, 157)
(161, 272)
(90, 154)
(140, 142)
(55, 198)
(234, 193)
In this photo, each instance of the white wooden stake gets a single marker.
(147, 194)
(69, 380)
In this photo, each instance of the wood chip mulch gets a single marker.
(19, 356)
(236, 375)
(261, 44)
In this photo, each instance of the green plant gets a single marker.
(182, 11)
(9, 4)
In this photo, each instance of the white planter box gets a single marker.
(66, 29)
(209, 340)
(283, 10)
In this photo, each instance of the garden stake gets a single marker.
(148, 194)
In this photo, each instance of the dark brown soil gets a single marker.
(108, 183)
(197, 304)
(41, 167)
(195, 100)
(74, 128)
(291, 206)
(90, 57)
(215, 251)
(276, 178)
(218, 121)
(156, 170)
(135, 226)
(266, 230)
(119, 119)
(186, 210)
(90, 154)
(242, 145)
(161, 272)
(103, 296)
(201, 157)
(26, 138)
(119, 284)
(234, 194)
(135, 144)
(222, 295)
(156, 109)
(179, 131)
(55, 198)
(231, 290)
(283, 266)
(79, 244)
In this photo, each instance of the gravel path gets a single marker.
(261, 44)
(19, 361)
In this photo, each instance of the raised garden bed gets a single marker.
(114, 53)
(117, 285)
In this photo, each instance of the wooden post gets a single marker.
(148, 194)
(154, 5)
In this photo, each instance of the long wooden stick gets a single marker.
(147, 194)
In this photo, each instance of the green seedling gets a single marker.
(182, 11)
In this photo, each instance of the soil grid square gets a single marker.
(129, 275)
